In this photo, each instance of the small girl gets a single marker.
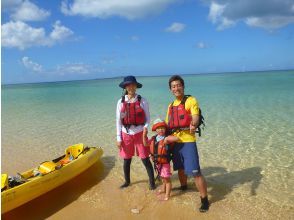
(161, 155)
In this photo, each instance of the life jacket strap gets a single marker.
(127, 126)
(123, 98)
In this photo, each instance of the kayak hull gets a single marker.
(36, 186)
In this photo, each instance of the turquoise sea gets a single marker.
(246, 149)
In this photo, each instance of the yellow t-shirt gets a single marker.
(191, 105)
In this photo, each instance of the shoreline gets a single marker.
(95, 193)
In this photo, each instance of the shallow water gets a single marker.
(246, 149)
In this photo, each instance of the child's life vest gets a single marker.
(132, 113)
(160, 152)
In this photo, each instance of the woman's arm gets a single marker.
(145, 141)
(145, 106)
(118, 123)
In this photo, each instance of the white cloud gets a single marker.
(269, 22)
(112, 58)
(267, 14)
(29, 64)
(107, 61)
(73, 68)
(216, 16)
(202, 45)
(10, 4)
(27, 11)
(175, 27)
(216, 11)
(66, 69)
(77, 68)
(135, 38)
(130, 9)
(60, 32)
(20, 35)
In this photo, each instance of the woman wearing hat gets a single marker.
(132, 120)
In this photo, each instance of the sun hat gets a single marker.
(128, 80)
(158, 123)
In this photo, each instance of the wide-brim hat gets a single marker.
(158, 123)
(128, 80)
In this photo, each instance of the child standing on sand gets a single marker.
(160, 151)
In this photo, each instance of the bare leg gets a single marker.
(167, 186)
(182, 178)
(201, 185)
(163, 188)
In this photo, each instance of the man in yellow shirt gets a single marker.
(183, 119)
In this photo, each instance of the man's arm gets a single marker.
(194, 123)
(171, 139)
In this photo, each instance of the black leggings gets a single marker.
(149, 169)
(147, 164)
(127, 167)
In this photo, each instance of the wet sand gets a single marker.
(95, 194)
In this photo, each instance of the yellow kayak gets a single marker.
(47, 176)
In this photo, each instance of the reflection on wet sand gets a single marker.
(222, 182)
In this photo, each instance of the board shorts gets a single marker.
(185, 156)
(132, 143)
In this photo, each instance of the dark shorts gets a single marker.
(185, 156)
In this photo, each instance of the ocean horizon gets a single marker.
(121, 76)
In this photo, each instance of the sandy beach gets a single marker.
(95, 194)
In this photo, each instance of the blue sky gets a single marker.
(57, 40)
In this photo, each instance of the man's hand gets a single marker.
(194, 123)
(192, 128)
(165, 141)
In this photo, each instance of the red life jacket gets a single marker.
(159, 151)
(178, 116)
(133, 113)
